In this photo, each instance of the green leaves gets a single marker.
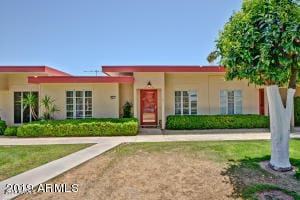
(181, 122)
(79, 127)
(31, 101)
(261, 42)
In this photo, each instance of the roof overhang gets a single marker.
(80, 79)
(113, 70)
(33, 69)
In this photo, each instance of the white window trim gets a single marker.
(74, 104)
(22, 106)
(181, 102)
(235, 101)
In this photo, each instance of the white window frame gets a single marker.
(190, 92)
(237, 102)
(22, 106)
(83, 104)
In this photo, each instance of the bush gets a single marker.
(181, 122)
(80, 127)
(2, 127)
(297, 111)
(11, 131)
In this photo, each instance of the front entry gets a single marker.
(148, 109)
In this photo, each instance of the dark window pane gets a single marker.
(88, 93)
(69, 93)
(79, 93)
(70, 115)
(70, 108)
(17, 107)
(88, 114)
(69, 100)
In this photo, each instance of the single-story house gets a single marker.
(154, 91)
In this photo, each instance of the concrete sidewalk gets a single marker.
(52, 169)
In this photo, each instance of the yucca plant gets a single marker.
(30, 101)
(50, 107)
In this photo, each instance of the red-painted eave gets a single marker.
(33, 69)
(80, 79)
(196, 68)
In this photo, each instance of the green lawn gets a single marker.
(237, 155)
(17, 159)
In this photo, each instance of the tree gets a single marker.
(261, 43)
(31, 101)
(50, 107)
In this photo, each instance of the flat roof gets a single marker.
(80, 79)
(31, 69)
(163, 68)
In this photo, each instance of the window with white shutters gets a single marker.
(231, 102)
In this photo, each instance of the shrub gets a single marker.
(297, 111)
(2, 127)
(11, 131)
(80, 127)
(181, 122)
(127, 110)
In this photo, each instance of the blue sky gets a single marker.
(78, 35)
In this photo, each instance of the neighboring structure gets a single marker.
(154, 91)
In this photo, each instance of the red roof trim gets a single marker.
(80, 79)
(189, 68)
(29, 69)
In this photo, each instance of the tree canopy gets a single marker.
(261, 43)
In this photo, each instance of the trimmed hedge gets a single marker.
(181, 122)
(2, 127)
(297, 111)
(11, 131)
(80, 127)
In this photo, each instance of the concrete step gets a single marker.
(150, 131)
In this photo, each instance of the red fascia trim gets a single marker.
(31, 69)
(195, 68)
(80, 79)
(55, 72)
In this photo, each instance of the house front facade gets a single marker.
(154, 91)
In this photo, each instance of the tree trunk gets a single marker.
(280, 119)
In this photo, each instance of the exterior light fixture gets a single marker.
(149, 85)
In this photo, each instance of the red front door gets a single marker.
(148, 109)
(261, 101)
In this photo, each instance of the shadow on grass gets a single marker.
(246, 173)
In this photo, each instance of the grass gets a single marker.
(248, 192)
(238, 154)
(17, 159)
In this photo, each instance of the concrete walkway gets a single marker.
(52, 169)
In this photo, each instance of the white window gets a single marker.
(186, 102)
(79, 104)
(22, 114)
(231, 102)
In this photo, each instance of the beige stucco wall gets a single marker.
(103, 104)
(14, 83)
(208, 86)
(5, 113)
(3, 82)
(125, 94)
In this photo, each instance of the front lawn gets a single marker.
(178, 170)
(17, 159)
